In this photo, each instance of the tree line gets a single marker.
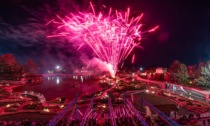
(11, 69)
(193, 74)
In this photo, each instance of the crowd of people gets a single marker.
(68, 123)
(121, 121)
(129, 121)
(25, 122)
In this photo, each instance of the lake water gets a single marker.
(53, 87)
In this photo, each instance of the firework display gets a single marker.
(111, 36)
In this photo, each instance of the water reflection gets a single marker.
(82, 80)
(53, 87)
(57, 80)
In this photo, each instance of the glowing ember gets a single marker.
(133, 58)
(111, 36)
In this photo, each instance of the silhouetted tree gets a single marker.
(10, 68)
(198, 70)
(172, 70)
(178, 72)
(167, 76)
(182, 75)
(204, 78)
(31, 67)
(9, 60)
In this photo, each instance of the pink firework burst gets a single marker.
(111, 36)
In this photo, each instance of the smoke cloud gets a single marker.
(96, 63)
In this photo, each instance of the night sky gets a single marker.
(184, 32)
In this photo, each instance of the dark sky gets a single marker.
(184, 32)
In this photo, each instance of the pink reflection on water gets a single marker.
(67, 87)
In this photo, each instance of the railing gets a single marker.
(111, 112)
(55, 120)
(87, 113)
(136, 112)
(161, 114)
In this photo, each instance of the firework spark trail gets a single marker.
(133, 58)
(112, 37)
